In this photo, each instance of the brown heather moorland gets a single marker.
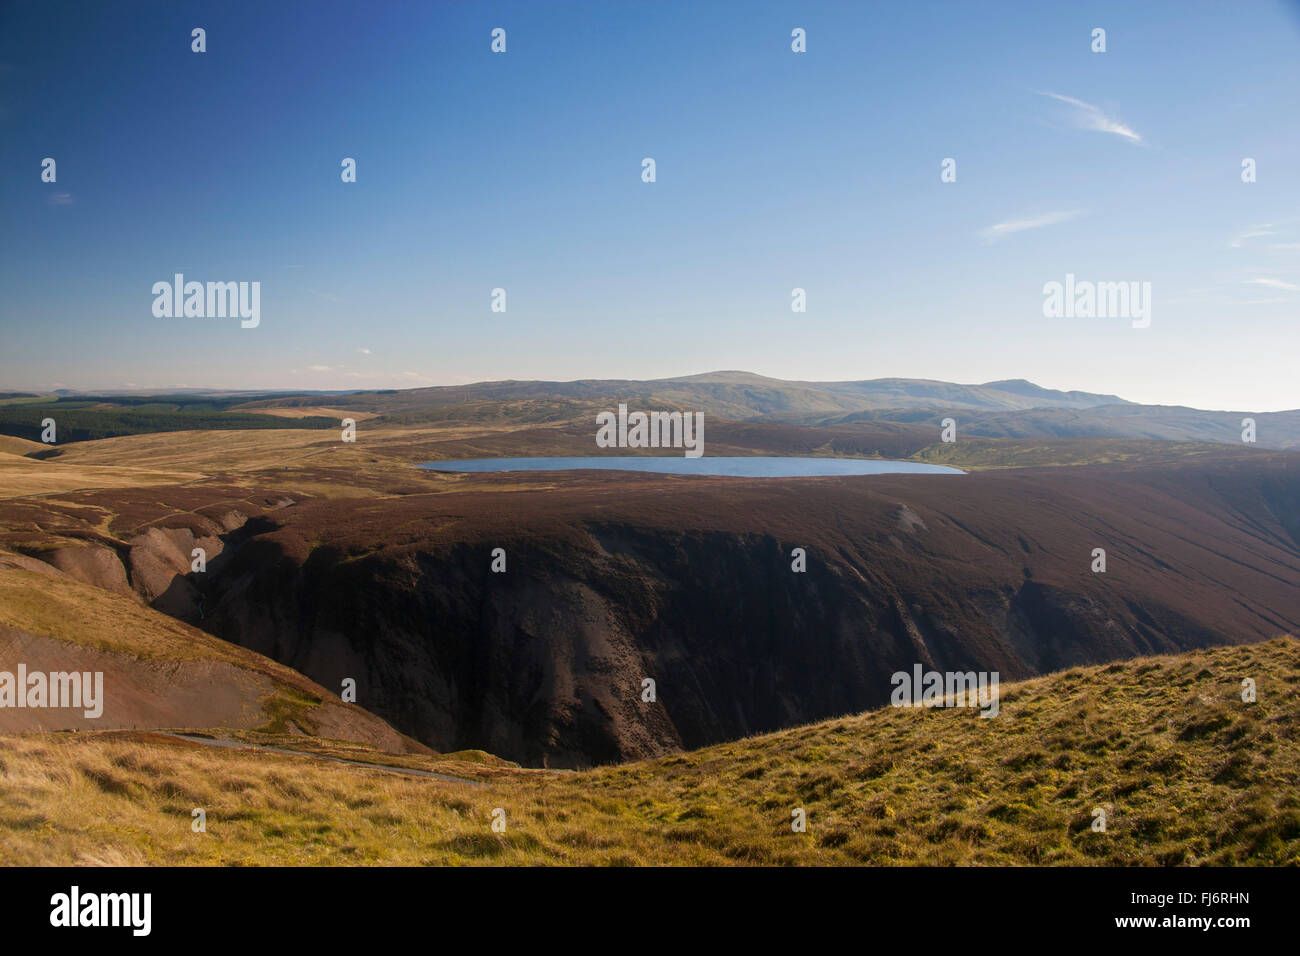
(344, 560)
(329, 560)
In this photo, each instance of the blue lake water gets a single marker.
(680, 465)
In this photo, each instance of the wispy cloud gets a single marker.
(320, 368)
(1275, 284)
(1087, 116)
(1254, 232)
(61, 199)
(364, 351)
(324, 295)
(996, 231)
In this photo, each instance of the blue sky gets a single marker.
(775, 170)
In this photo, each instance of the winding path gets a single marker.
(239, 745)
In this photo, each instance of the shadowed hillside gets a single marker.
(157, 672)
(344, 561)
(689, 581)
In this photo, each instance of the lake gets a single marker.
(760, 467)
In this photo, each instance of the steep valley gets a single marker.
(690, 583)
(614, 578)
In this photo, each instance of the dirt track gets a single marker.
(238, 745)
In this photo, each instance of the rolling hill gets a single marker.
(342, 560)
(1003, 409)
(158, 672)
(1185, 772)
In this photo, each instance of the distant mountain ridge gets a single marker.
(1009, 393)
(1008, 408)
(735, 394)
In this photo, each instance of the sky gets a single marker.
(774, 170)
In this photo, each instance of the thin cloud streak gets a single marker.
(1254, 232)
(998, 230)
(1275, 284)
(1091, 117)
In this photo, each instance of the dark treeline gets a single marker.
(85, 424)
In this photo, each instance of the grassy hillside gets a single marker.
(20, 475)
(978, 453)
(1172, 424)
(1186, 772)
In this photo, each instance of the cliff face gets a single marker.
(613, 579)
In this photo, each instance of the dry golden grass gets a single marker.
(473, 764)
(321, 464)
(1186, 771)
(976, 454)
(318, 463)
(226, 452)
(209, 452)
(26, 476)
(10, 445)
(84, 614)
